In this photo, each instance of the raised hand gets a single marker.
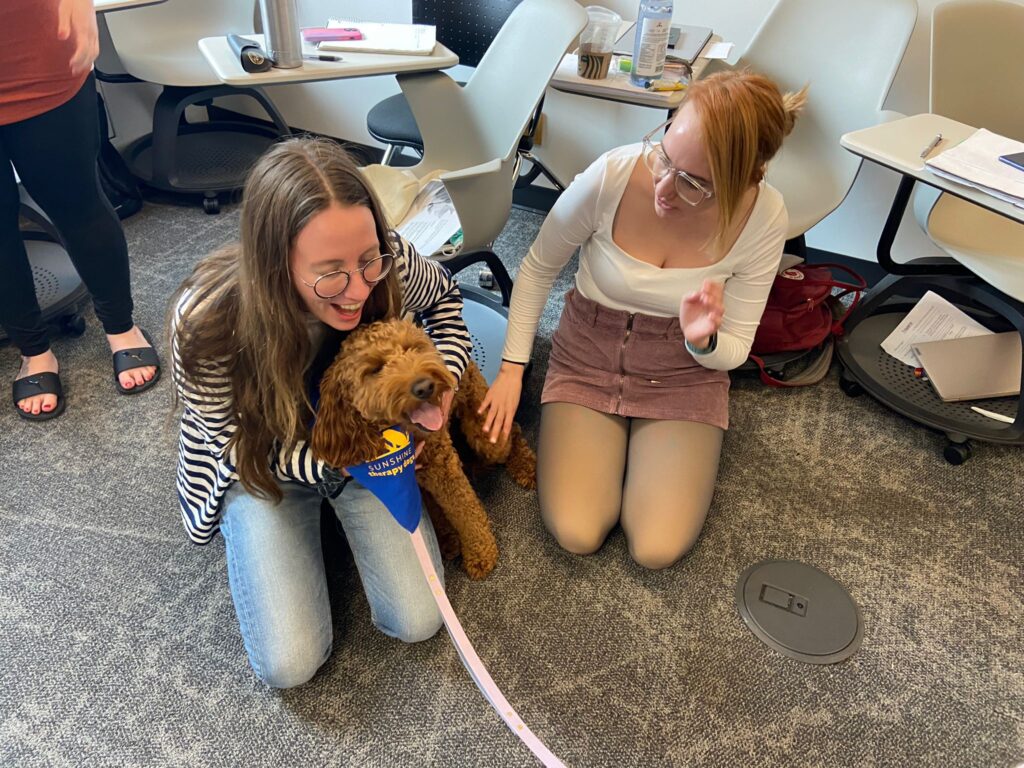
(700, 313)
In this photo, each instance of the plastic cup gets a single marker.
(597, 41)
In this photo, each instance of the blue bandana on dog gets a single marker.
(391, 477)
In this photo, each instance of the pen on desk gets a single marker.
(320, 57)
(931, 145)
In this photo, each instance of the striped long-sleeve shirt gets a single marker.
(206, 468)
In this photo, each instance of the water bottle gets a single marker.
(653, 24)
(281, 33)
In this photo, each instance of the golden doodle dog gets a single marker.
(389, 373)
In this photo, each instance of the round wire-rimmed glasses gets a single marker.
(687, 188)
(333, 283)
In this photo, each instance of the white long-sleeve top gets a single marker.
(582, 218)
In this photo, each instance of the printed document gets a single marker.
(431, 220)
(932, 319)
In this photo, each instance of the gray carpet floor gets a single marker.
(119, 644)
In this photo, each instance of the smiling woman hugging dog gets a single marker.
(253, 328)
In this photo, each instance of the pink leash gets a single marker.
(472, 662)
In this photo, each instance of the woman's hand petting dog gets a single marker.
(502, 400)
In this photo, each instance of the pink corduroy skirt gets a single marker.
(631, 365)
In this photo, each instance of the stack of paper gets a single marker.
(410, 39)
(932, 319)
(975, 162)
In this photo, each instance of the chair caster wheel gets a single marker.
(957, 453)
(850, 387)
(211, 205)
(72, 325)
(486, 279)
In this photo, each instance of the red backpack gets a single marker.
(803, 315)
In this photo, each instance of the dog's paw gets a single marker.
(524, 480)
(478, 568)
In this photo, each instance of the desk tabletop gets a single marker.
(898, 145)
(229, 70)
(102, 6)
(616, 87)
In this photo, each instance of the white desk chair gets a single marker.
(159, 44)
(849, 53)
(467, 27)
(471, 134)
(977, 78)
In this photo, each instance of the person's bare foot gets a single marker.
(30, 366)
(133, 377)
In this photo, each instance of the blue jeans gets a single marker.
(276, 574)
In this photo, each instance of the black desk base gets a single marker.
(866, 367)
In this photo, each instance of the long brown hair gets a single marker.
(744, 118)
(243, 314)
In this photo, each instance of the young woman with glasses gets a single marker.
(253, 329)
(680, 239)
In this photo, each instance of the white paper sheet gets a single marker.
(718, 51)
(411, 39)
(932, 319)
(975, 162)
(431, 220)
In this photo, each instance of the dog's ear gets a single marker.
(341, 436)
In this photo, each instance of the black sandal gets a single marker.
(136, 357)
(47, 383)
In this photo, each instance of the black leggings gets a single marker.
(55, 154)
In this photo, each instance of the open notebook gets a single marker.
(408, 39)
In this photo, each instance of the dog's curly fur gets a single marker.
(369, 387)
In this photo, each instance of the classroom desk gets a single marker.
(226, 66)
(102, 6)
(616, 86)
(865, 366)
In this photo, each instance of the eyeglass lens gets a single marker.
(658, 165)
(330, 285)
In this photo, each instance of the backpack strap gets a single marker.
(814, 373)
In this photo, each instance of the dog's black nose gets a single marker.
(422, 388)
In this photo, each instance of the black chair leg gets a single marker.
(458, 263)
(537, 168)
(268, 106)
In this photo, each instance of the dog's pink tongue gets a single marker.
(427, 416)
